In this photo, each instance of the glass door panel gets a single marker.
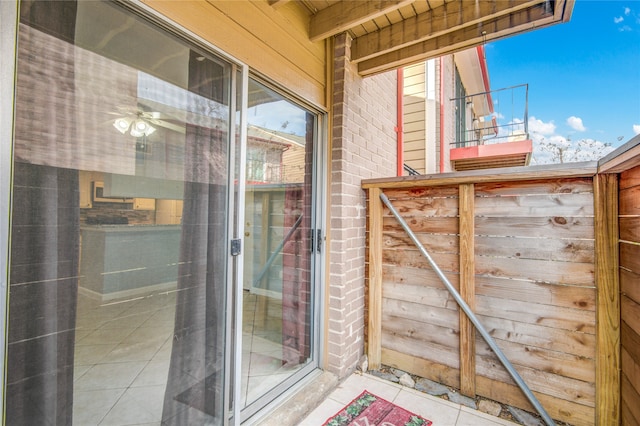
(277, 287)
(119, 249)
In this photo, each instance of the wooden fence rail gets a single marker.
(534, 252)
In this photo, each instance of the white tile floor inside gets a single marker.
(123, 350)
(439, 411)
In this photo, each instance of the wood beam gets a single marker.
(374, 331)
(607, 299)
(521, 21)
(433, 23)
(466, 213)
(344, 15)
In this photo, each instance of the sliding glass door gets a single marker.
(163, 239)
(279, 231)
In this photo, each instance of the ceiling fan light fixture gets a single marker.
(137, 128)
(122, 124)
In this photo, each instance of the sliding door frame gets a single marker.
(8, 67)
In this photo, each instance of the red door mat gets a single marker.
(371, 410)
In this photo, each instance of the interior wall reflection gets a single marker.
(119, 234)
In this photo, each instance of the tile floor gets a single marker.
(123, 350)
(122, 360)
(439, 411)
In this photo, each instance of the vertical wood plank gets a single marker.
(467, 289)
(608, 300)
(374, 344)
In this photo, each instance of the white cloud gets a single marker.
(636, 129)
(576, 124)
(539, 126)
(550, 147)
(618, 19)
(627, 11)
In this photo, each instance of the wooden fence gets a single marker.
(534, 252)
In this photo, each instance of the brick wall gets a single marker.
(363, 146)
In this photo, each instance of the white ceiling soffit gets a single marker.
(470, 66)
(388, 34)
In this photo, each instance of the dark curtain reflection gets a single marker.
(296, 286)
(42, 295)
(194, 393)
(44, 249)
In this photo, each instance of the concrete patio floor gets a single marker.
(441, 412)
(322, 397)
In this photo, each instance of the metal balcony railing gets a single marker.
(493, 117)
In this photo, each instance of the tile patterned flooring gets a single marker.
(439, 411)
(123, 350)
(122, 360)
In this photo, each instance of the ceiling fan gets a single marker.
(139, 123)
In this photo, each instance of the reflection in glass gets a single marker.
(277, 277)
(119, 230)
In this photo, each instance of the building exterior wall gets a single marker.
(415, 115)
(428, 90)
(363, 146)
(274, 42)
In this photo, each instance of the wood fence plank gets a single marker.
(630, 341)
(608, 300)
(421, 367)
(540, 382)
(630, 228)
(567, 411)
(630, 256)
(630, 285)
(421, 192)
(436, 353)
(570, 342)
(565, 273)
(536, 205)
(428, 314)
(433, 243)
(630, 313)
(628, 202)
(436, 225)
(631, 369)
(631, 399)
(559, 250)
(539, 227)
(630, 178)
(418, 276)
(545, 315)
(426, 207)
(541, 186)
(536, 292)
(510, 174)
(419, 294)
(412, 257)
(467, 290)
(422, 334)
(551, 362)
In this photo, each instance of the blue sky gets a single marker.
(583, 75)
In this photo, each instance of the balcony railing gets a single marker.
(498, 116)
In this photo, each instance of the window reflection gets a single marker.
(118, 273)
(277, 286)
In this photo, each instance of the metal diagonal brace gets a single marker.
(472, 317)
